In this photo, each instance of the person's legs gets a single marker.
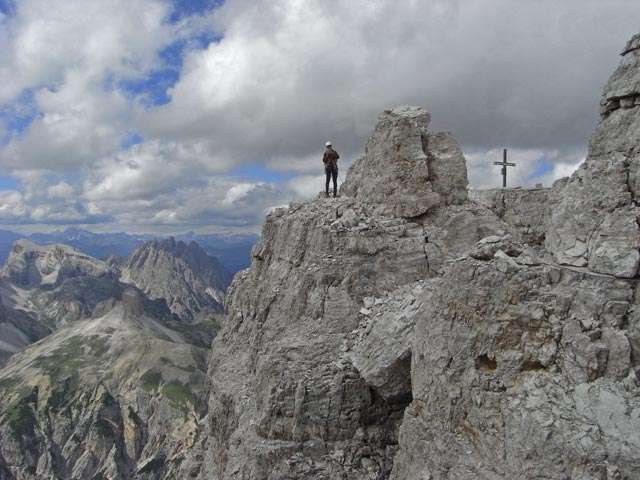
(326, 187)
(334, 174)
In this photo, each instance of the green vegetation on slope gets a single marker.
(179, 394)
(20, 416)
(75, 353)
(151, 380)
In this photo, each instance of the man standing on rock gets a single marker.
(330, 160)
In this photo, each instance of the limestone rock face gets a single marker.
(525, 368)
(381, 350)
(447, 167)
(30, 265)
(310, 374)
(406, 169)
(527, 373)
(522, 208)
(17, 328)
(192, 282)
(592, 216)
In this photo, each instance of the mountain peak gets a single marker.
(31, 265)
(191, 281)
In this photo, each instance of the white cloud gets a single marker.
(532, 167)
(73, 56)
(306, 186)
(559, 171)
(60, 190)
(289, 74)
(47, 41)
(286, 76)
(237, 192)
(12, 206)
(80, 122)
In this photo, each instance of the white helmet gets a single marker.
(328, 144)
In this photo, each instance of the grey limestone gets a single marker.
(192, 283)
(408, 170)
(591, 217)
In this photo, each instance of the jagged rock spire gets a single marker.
(407, 169)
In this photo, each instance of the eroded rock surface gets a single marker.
(527, 373)
(17, 328)
(527, 368)
(592, 216)
(522, 208)
(408, 170)
(310, 375)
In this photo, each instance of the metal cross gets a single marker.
(504, 165)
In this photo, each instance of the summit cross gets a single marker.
(504, 165)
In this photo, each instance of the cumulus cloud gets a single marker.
(12, 206)
(145, 170)
(532, 166)
(306, 186)
(60, 190)
(219, 202)
(283, 77)
(289, 74)
(48, 42)
(79, 123)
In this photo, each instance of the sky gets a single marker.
(163, 116)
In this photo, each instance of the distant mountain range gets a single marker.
(97, 378)
(233, 251)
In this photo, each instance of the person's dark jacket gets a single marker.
(330, 160)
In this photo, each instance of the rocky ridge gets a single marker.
(401, 333)
(30, 265)
(408, 170)
(522, 208)
(292, 391)
(17, 328)
(192, 282)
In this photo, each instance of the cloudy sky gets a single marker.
(176, 115)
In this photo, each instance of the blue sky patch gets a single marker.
(152, 89)
(542, 168)
(9, 183)
(70, 178)
(182, 9)
(132, 140)
(16, 116)
(258, 173)
(173, 54)
(7, 7)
